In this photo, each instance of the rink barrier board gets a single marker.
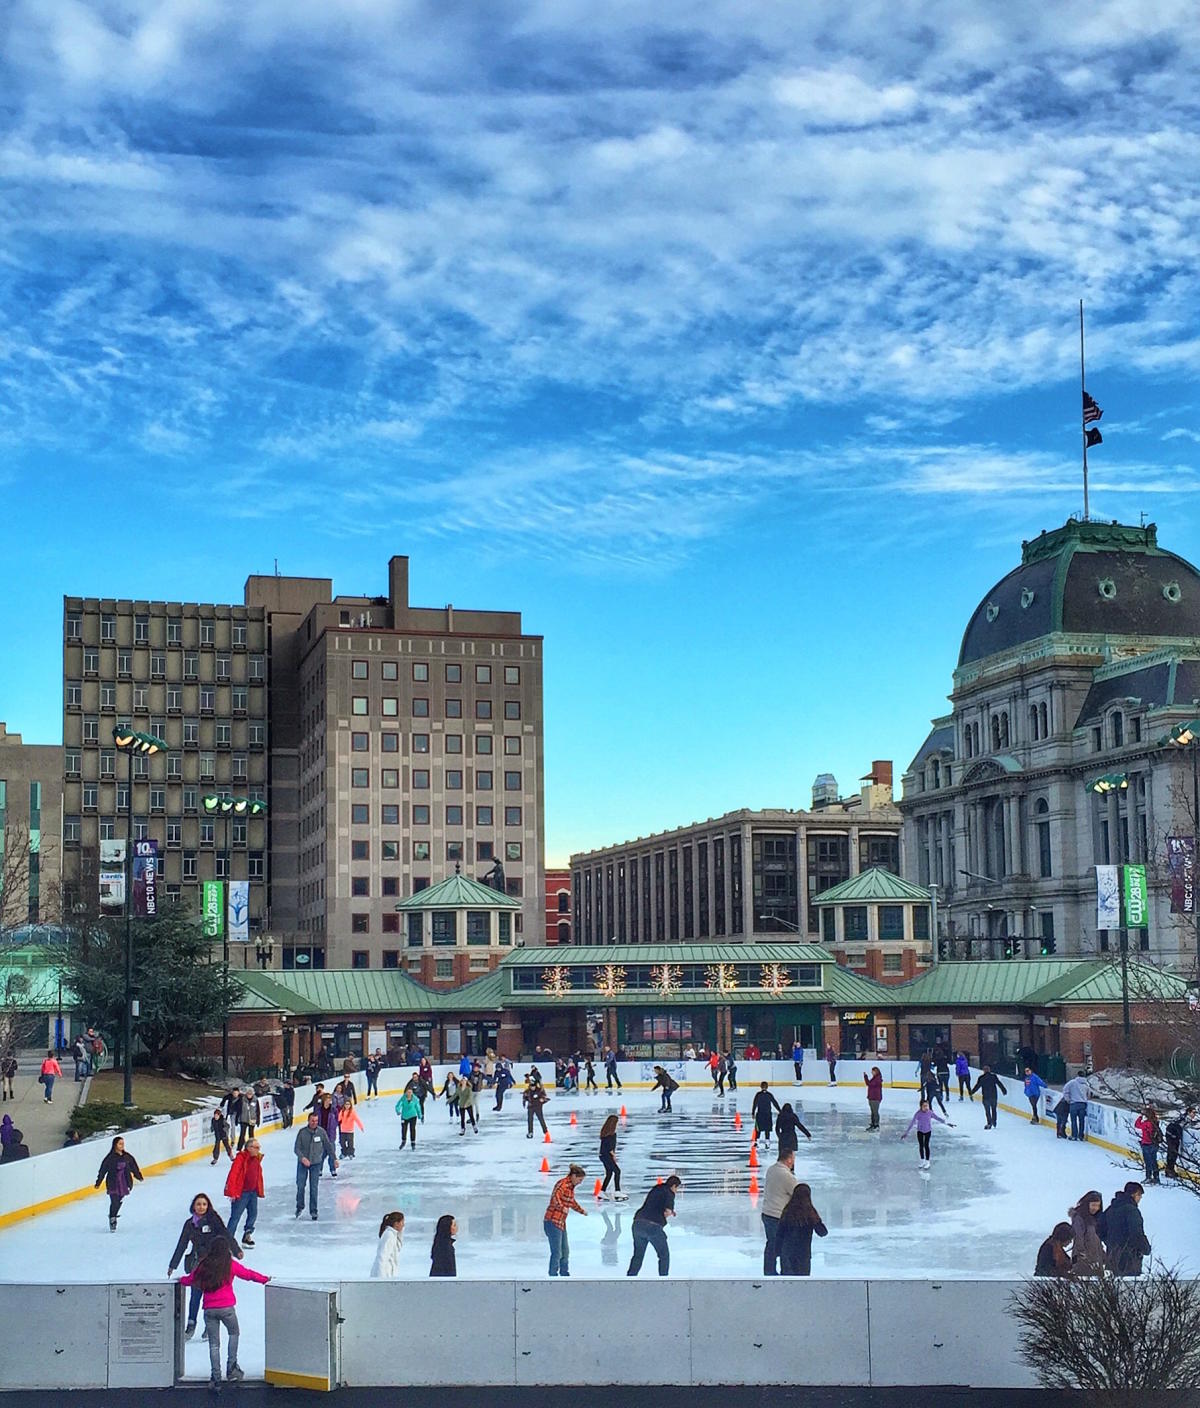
(46, 1182)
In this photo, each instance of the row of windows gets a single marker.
(141, 629)
(444, 927)
(389, 815)
(389, 708)
(452, 743)
(73, 764)
(389, 670)
(256, 731)
(203, 698)
(452, 779)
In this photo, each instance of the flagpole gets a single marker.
(1082, 421)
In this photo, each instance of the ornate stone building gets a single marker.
(1073, 668)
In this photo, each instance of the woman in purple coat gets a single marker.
(923, 1120)
(327, 1119)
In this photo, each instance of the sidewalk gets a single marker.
(44, 1126)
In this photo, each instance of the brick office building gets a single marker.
(558, 906)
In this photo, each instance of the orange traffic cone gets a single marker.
(753, 1156)
(545, 1168)
(547, 1140)
(737, 1119)
(574, 1118)
(754, 1185)
(596, 1189)
(658, 1180)
(623, 1114)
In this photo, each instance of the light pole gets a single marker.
(1106, 786)
(1188, 736)
(133, 744)
(264, 951)
(225, 805)
(787, 923)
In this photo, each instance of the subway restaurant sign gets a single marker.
(1137, 904)
(212, 909)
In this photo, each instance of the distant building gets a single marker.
(558, 906)
(1074, 667)
(30, 831)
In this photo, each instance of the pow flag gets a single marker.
(1093, 437)
(1091, 411)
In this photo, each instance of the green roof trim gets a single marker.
(458, 892)
(785, 951)
(873, 886)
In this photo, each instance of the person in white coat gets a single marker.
(387, 1253)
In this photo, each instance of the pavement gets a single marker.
(44, 1126)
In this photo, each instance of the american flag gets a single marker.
(1091, 411)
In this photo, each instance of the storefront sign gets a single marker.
(856, 1016)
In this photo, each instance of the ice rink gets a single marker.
(989, 1200)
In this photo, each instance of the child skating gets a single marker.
(923, 1119)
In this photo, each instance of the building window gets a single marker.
(483, 708)
(388, 670)
(484, 850)
(360, 886)
(420, 673)
(390, 777)
(360, 670)
(389, 814)
(391, 956)
(191, 667)
(445, 928)
(255, 866)
(483, 674)
(512, 816)
(443, 969)
(512, 708)
(453, 780)
(208, 698)
(174, 631)
(360, 923)
(420, 814)
(512, 674)
(1118, 730)
(389, 887)
(420, 743)
(854, 922)
(483, 781)
(358, 705)
(257, 734)
(454, 674)
(454, 850)
(454, 708)
(512, 781)
(224, 735)
(360, 777)
(360, 850)
(238, 633)
(360, 742)
(420, 708)
(454, 815)
(420, 850)
(389, 850)
(1097, 740)
(479, 926)
(108, 627)
(360, 813)
(452, 743)
(891, 921)
(207, 632)
(483, 816)
(512, 745)
(893, 963)
(420, 779)
(189, 865)
(389, 742)
(483, 744)
(360, 958)
(74, 625)
(223, 667)
(91, 730)
(1041, 811)
(74, 694)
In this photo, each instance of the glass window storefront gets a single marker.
(771, 1027)
(648, 1033)
(928, 1037)
(999, 1045)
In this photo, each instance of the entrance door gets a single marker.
(302, 1338)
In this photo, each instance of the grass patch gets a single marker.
(153, 1094)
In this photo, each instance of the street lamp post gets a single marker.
(1188, 736)
(264, 951)
(132, 743)
(225, 805)
(787, 923)
(1107, 786)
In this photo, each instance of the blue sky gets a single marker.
(734, 344)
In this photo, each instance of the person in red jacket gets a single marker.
(1149, 1135)
(51, 1070)
(874, 1084)
(245, 1186)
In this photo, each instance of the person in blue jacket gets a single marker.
(798, 1060)
(464, 1066)
(1034, 1085)
(962, 1069)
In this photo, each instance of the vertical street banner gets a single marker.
(1137, 900)
(1181, 865)
(145, 879)
(212, 909)
(1108, 897)
(112, 875)
(239, 911)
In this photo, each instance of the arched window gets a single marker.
(968, 743)
(936, 773)
(1034, 731)
(564, 933)
(1041, 811)
(1118, 729)
(1044, 712)
(564, 902)
(1004, 729)
(995, 733)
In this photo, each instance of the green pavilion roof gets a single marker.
(459, 892)
(874, 886)
(1032, 982)
(785, 951)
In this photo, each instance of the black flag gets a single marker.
(1093, 437)
(1091, 411)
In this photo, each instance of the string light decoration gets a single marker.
(721, 977)
(610, 979)
(774, 977)
(666, 978)
(556, 980)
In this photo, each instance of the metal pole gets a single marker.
(1083, 423)
(127, 1036)
(1196, 827)
(933, 919)
(225, 954)
(1125, 989)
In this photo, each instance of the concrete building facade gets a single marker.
(30, 832)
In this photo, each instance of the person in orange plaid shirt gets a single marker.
(562, 1201)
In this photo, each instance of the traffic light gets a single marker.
(943, 949)
(1049, 945)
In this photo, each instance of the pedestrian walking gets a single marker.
(650, 1225)
(1052, 1257)
(442, 1261)
(244, 1187)
(874, 1084)
(1077, 1094)
(1149, 1134)
(408, 1107)
(761, 1108)
(610, 1071)
(831, 1062)
(467, 1097)
(608, 1159)
(1087, 1223)
(79, 1055)
(50, 1072)
(731, 1071)
(8, 1074)
(923, 1119)
(118, 1169)
(386, 1265)
(778, 1186)
(1034, 1085)
(348, 1122)
(215, 1274)
(220, 1130)
(1125, 1233)
(793, 1238)
(202, 1227)
(941, 1069)
(786, 1126)
(312, 1148)
(987, 1085)
(1176, 1128)
(554, 1221)
(962, 1069)
(798, 1060)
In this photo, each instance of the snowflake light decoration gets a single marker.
(775, 978)
(721, 977)
(666, 978)
(556, 980)
(610, 979)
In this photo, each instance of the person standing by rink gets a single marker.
(387, 1253)
(874, 1084)
(608, 1158)
(923, 1119)
(786, 1126)
(312, 1148)
(118, 1169)
(285, 1099)
(610, 1071)
(650, 1225)
(244, 1187)
(534, 1098)
(220, 1129)
(831, 1062)
(778, 1187)
(372, 1069)
(554, 1222)
(1176, 1129)
(798, 1060)
(1149, 1134)
(1077, 1094)
(202, 1228)
(8, 1073)
(1125, 1232)
(1034, 1085)
(987, 1085)
(249, 1117)
(1087, 1255)
(1052, 1258)
(214, 1274)
(408, 1107)
(962, 1069)
(761, 1107)
(442, 1261)
(793, 1239)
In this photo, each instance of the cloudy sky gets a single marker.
(734, 344)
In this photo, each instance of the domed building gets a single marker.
(1073, 670)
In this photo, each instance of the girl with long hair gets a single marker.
(215, 1274)
(1087, 1250)
(391, 1240)
(118, 1169)
(441, 1256)
(793, 1239)
(203, 1227)
(608, 1157)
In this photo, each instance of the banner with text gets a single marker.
(239, 911)
(1181, 863)
(1137, 901)
(145, 879)
(1108, 897)
(112, 875)
(213, 908)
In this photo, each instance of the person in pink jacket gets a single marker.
(348, 1121)
(50, 1070)
(215, 1273)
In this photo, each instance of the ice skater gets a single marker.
(731, 1071)
(386, 1265)
(610, 1071)
(118, 1169)
(923, 1119)
(831, 1062)
(793, 1238)
(312, 1148)
(442, 1261)
(786, 1126)
(348, 1121)
(554, 1222)
(941, 1068)
(203, 1227)
(220, 1131)
(534, 1098)
(328, 1120)
(761, 1108)
(874, 1084)
(215, 1274)
(467, 1096)
(798, 1061)
(450, 1090)
(650, 1225)
(608, 1158)
(244, 1187)
(987, 1085)
(504, 1082)
(590, 1088)
(666, 1082)
(962, 1069)
(249, 1118)
(408, 1107)
(1034, 1085)
(931, 1090)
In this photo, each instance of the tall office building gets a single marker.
(30, 821)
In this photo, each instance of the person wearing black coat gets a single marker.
(793, 1236)
(203, 1227)
(118, 1169)
(441, 1256)
(785, 1127)
(1125, 1233)
(987, 1085)
(761, 1107)
(15, 1149)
